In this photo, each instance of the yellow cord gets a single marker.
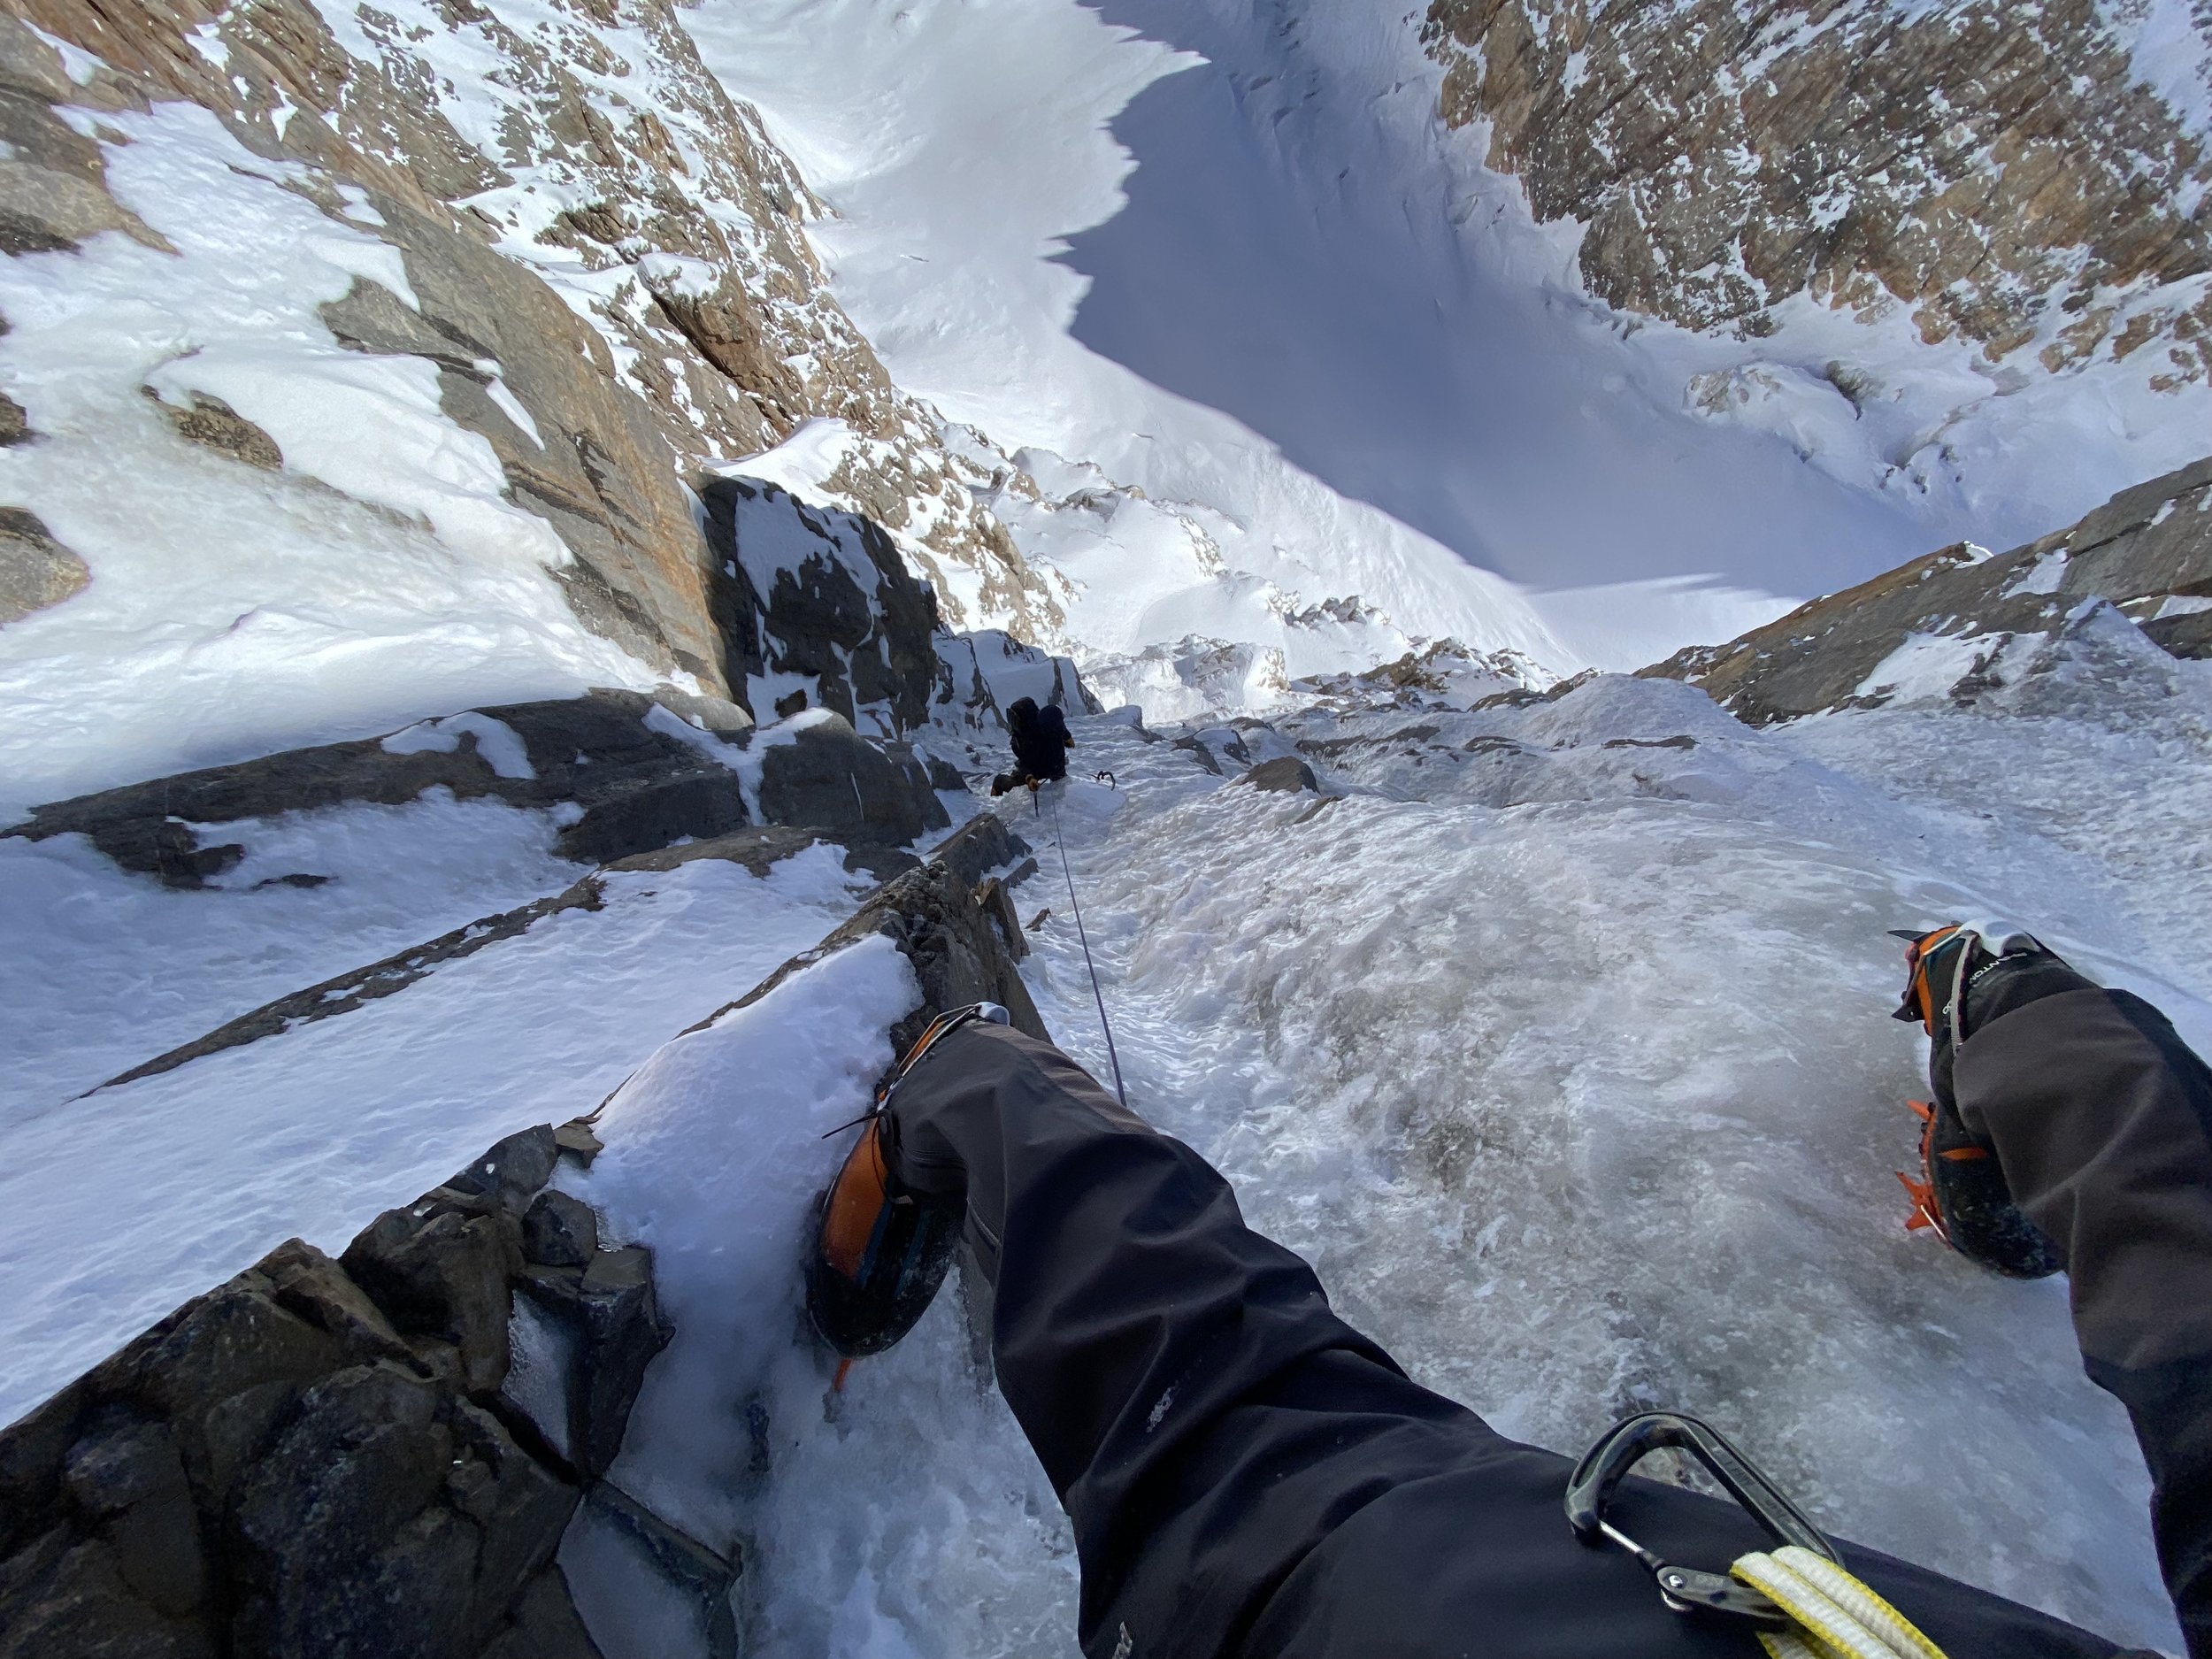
(1837, 1616)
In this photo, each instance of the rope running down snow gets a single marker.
(1061, 840)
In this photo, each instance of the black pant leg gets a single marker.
(1245, 1472)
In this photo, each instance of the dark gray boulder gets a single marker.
(441, 1273)
(1285, 774)
(559, 1232)
(979, 847)
(805, 591)
(831, 779)
(597, 1329)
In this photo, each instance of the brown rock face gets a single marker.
(35, 571)
(1993, 168)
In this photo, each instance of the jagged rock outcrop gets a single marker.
(611, 276)
(1996, 169)
(356, 1458)
(817, 607)
(984, 672)
(1954, 614)
(637, 774)
(1443, 669)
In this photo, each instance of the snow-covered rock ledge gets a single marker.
(1963, 621)
(410, 1449)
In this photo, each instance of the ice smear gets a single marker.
(315, 1132)
(906, 1516)
(1482, 1044)
(252, 612)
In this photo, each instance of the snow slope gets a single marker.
(1300, 252)
(1571, 1072)
(1558, 1043)
(133, 969)
(232, 611)
(1307, 247)
(958, 145)
(1310, 298)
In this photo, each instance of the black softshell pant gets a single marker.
(2101, 1117)
(1246, 1474)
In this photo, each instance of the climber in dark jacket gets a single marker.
(1040, 740)
(1246, 1474)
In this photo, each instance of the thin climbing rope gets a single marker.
(1837, 1617)
(1097, 995)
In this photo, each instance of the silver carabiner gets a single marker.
(1687, 1589)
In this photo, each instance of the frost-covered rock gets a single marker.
(818, 611)
(1962, 621)
(986, 672)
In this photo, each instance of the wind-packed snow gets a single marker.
(382, 576)
(116, 1208)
